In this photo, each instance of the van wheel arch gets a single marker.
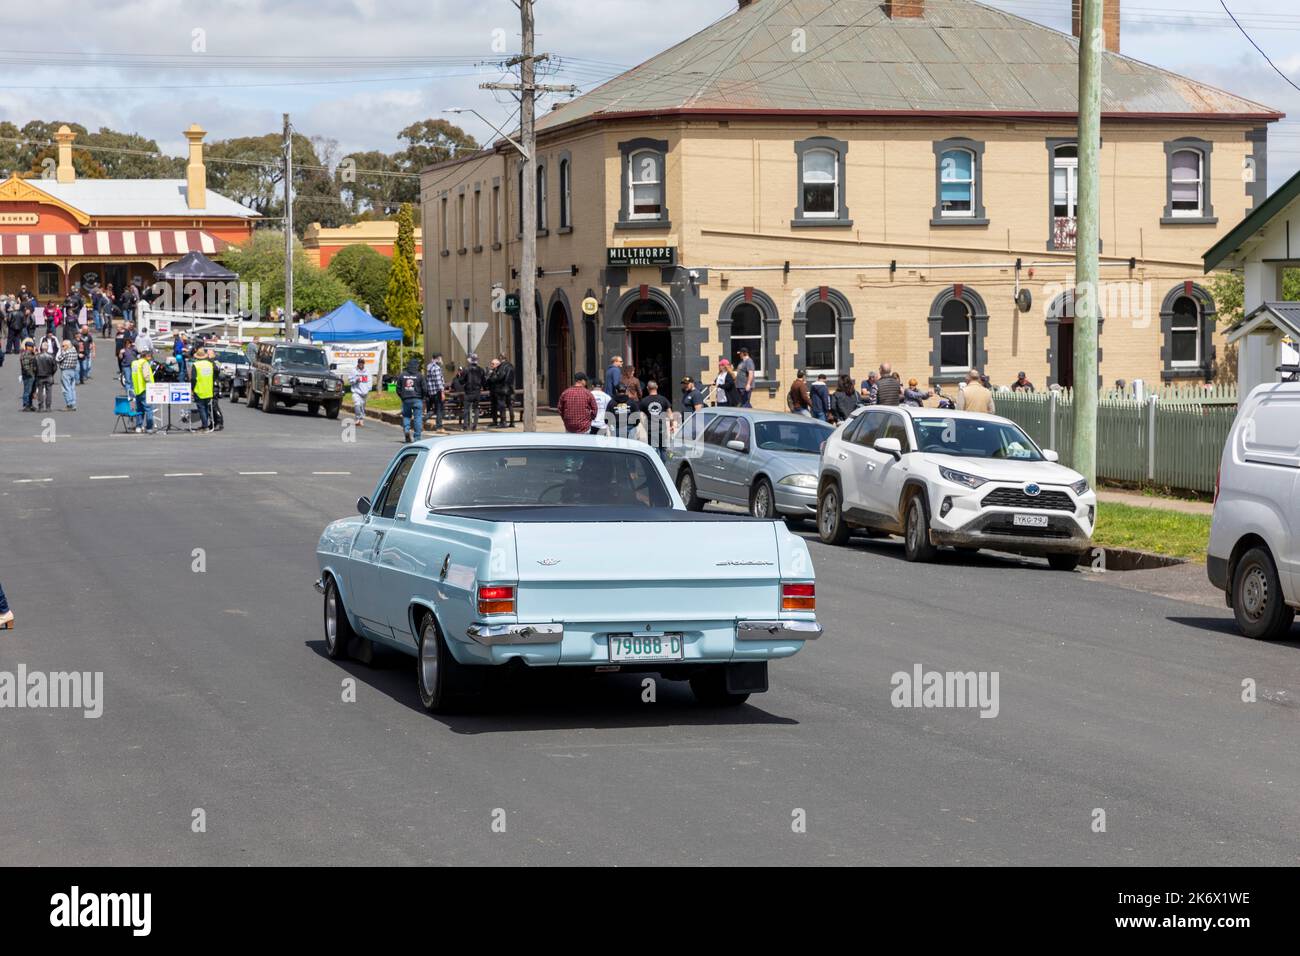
(1239, 549)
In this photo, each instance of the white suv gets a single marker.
(957, 479)
(1254, 550)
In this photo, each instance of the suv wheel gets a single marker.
(916, 531)
(268, 400)
(762, 502)
(332, 409)
(831, 527)
(686, 488)
(1257, 599)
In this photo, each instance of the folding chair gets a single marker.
(125, 414)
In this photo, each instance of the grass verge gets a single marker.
(1152, 529)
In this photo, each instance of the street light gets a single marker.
(506, 136)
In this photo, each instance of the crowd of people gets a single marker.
(885, 387)
(425, 393)
(191, 360)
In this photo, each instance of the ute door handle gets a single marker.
(379, 539)
(843, 457)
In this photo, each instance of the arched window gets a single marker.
(1185, 334)
(821, 341)
(645, 184)
(1185, 184)
(747, 333)
(955, 345)
(565, 196)
(541, 196)
(820, 187)
(957, 184)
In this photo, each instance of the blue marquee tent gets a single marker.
(349, 323)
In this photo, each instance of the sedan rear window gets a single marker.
(789, 435)
(486, 478)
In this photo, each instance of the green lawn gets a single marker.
(383, 401)
(1152, 529)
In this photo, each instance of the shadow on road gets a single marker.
(554, 699)
(892, 547)
(1226, 625)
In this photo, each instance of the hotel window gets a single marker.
(642, 181)
(1065, 196)
(478, 219)
(747, 332)
(566, 196)
(446, 239)
(541, 197)
(820, 166)
(955, 337)
(1187, 191)
(1185, 334)
(1187, 317)
(959, 192)
(496, 215)
(821, 341)
(460, 220)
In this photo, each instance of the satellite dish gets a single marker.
(1024, 299)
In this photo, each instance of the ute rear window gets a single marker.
(568, 477)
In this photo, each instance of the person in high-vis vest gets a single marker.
(141, 379)
(203, 376)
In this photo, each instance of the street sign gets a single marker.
(168, 393)
(630, 256)
(590, 306)
(512, 303)
(469, 334)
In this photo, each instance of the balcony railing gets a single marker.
(1065, 232)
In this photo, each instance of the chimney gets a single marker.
(1109, 23)
(65, 173)
(901, 9)
(196, 174)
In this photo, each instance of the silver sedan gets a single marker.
(764, 461)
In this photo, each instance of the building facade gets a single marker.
(323, 243)
(61, 231)
(927, 222)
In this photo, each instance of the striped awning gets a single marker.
(109, 242)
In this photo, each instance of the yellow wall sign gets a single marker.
(19, 219)
(590, 306)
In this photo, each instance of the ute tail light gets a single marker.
(798, 597)
(496, 599)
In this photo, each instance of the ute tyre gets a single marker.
(338, 630)
(831, 526)
(710, 689)
(1257, 601)
(916, 531)
(438, 675)
(686, 488)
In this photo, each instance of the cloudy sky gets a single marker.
(357, 71)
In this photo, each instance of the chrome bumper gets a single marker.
(490, 634)
(778, 630)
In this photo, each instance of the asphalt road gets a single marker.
(218, 697)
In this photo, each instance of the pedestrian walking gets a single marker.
(913, 396)
(27, 368)
(724, 386)
(503, 393)
(614, 374)
(655, 415)
(889, 391)
(599, 425)
(976, 396)
(47, 367)
(621, 413)
(799, 399)
(692, 402)
(141, 378)
(472, 384)
(412, 390)
(632, 384)
(844, 401)
(360, 382)
(85, 342)
(203, 378)
(820, 394)
(577, 407)
(745, 378)
(435, 383)
(69, 369)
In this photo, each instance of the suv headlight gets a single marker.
(335, 385)
(1080, 487)
(961, 478)
(799, 481)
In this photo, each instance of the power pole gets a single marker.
(288, 228)
(527, 88)
(1087, 243)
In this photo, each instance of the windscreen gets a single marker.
(293, 356)
(495, 477)
(789, 435)
(974, 438)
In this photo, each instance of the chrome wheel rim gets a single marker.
(429, 662)
(829, 506)
(1254, 593)
(331, 618)
(913, 527)
(762, 502)
(687, 488)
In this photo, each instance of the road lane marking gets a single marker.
(259, 472)
(331, 472)
(107, 477)
(183, 474)
(28, 481)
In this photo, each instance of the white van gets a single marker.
(1254, 552)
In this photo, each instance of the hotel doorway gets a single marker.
(559, 353)
(650, 345)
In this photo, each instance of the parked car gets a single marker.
(1253, 554)
(234, 371)
(294, 374)
(766, 461)
(485, 550)
(957, 479)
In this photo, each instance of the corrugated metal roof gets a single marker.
(138, 197)
(961, 55)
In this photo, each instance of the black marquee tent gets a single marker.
(195, 266)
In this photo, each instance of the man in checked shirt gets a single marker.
(436, 385)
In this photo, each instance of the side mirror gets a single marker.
(363, 505)
(736, 445)
(1051, 455)
(889, 446)
(333, 366)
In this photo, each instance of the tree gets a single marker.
(250, 170)
(260, 264)
(432, 141)
(365, 272)
(402, 300)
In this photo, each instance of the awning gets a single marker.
(109, 242)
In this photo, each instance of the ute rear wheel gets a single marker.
(438, 675)
(710, 689)
(338, 630)
(1257, 601)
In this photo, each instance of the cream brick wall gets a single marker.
(731, 193)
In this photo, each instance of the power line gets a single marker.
(1256, 46)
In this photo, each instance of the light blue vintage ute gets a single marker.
(542, 550)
